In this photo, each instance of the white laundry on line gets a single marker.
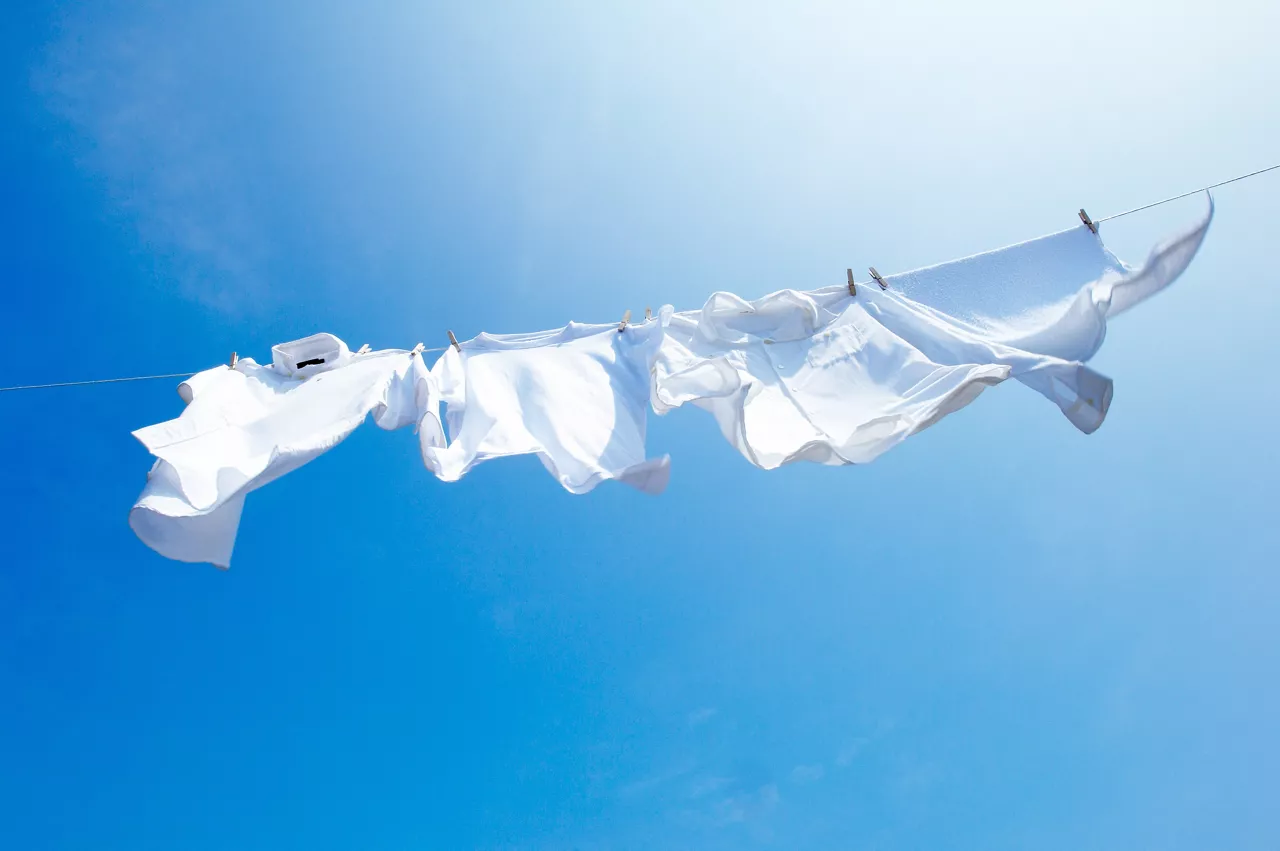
(825, 376)
(248, 426)
(838, 378)
(576, 397)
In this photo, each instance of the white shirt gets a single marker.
(247, 426)
(576, 397)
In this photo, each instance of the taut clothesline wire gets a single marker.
(97, 381)
(132, 378)
(443, 348)
(1187, 194)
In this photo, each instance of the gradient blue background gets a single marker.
(1001, 635)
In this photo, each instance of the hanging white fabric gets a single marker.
(576, 397)
(245, 427)
(807, 376)
(826, 376)
(836, 378)
(1052, 295)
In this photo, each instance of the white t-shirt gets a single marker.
(576, 397)
(247, 426)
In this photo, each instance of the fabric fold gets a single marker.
(1082, 394)
(1052, 295)
(833, 377)
(807, 376)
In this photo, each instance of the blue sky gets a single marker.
(1002, 634)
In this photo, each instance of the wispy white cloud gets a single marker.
(850, 752)
(855, 747)
(918, 777)
(808, 773)
(708, 785)
(701, 716)
(126, 87)
(747, 805)
(512, 615)
(656, 781)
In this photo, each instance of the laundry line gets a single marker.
(130, 378)
(1090, 224)
(1187, 194)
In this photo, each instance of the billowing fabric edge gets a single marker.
(1165, 264)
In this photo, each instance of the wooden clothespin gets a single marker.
(853, 288)
(1088, 222)
(876, 275)
(453, 341)
(364, 349)
(235, 359)
(648, 314)
(626, 318)
(417, 350)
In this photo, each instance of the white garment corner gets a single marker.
(1052, 295)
